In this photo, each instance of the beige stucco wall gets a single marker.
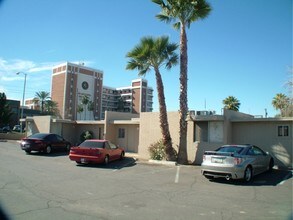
(130, 142)
(264, 134)
(150, 132)
(38, 124)
(131, 139)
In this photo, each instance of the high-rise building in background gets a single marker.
(71, 83)
(135, 98)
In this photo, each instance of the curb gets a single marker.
(163, 162)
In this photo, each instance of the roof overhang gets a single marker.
(126, 122)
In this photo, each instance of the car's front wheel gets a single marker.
(106, 160)
(68, 147)
(248, 174)
(122, 155)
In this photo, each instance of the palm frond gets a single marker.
(165, 18)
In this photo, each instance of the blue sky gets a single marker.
(243, 49)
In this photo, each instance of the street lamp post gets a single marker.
(21, 116)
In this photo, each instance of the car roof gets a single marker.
(237, 145)
(96, 140)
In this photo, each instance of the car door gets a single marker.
(260, 160)
(56, 141)
(115, 152)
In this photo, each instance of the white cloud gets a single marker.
(7, 79)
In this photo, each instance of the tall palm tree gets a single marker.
(91, 107)
(41, 98)
(281, 102)
(51, 107)
(183, 13)
(231, 103)
(85, 101)
(153, 53)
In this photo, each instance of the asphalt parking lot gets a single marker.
(40, 186)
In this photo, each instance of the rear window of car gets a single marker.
(230, 149)
(92, 144)
(38, 136)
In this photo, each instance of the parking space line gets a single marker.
(177, 174)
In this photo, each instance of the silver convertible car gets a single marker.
(236, 162)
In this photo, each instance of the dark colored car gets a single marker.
(96, 151)
(44, 142)
(5, 129)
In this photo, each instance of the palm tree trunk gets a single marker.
(42, 106)
(182, 154)
(167, 141)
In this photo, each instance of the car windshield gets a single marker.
(38, 136)
(230, 149)
(92, 144)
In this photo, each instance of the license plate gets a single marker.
(82, 160)
(217, 160)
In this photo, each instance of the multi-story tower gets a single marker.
(135, 98)
(71, 83)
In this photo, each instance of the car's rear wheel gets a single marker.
(68, 147)
(48, 149)
(122, 155)
(106, 160)
(248, 174)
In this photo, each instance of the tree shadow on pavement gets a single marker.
(114, 165)
(273, 178)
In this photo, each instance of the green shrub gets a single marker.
(157, 150)
(86, 135)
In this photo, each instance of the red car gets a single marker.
(44, 142)
(96, 151)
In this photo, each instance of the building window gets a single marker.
(283, 131)
(121, 133)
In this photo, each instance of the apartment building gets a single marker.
(72, 82)
(136, 98)
(30, 104)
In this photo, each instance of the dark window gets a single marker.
(107, 146)
(112, 146)
(286, 130)
(51, 137)
(280, 130)
(59, 138)
(38, 136)
(283, 131)
(121, 133)
(92, 144)
(230, 149)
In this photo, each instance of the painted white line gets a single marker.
(177, 174)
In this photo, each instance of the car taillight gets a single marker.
(237, 160)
